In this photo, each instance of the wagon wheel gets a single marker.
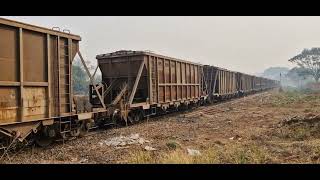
(84, 128)
(131, 117)
(138, 116)
(117, 120)
(75, 132)
(210, 100)
(135, 116)
(43, 141)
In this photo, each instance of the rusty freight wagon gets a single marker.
(245, 83)
(140, 83)
(37, 103)
(35, 80)
(220, 83)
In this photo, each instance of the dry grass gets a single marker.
(141, 157)
(253, 122)
(173, 145)
(287, 98)
(233, 154)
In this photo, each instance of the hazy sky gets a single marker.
(246, 44)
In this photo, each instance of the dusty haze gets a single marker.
(245, 44)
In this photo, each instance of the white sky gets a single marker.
(245, 44)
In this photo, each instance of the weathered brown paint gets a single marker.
(38, 29)
(29, 63)
(175, 80)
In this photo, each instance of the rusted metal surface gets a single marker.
(36, 87)
(24, 129)
(31, 27)
(120, 95)
(220, 82)
(9, 105)
(133, 92)
(244, 82)
(152, 79)
(35, 75)
(82, 104)
(92, 81)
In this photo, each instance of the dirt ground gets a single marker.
(271, 127)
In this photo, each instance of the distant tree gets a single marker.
(274, 72)
(80, 80)
(98, 78)
(309, 61)
(298, 73)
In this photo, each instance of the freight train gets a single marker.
(37, 103)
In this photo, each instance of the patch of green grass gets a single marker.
(295, 96)
(298, 132)
(172, 145)
(286, 98)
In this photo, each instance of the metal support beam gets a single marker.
(215, 82)
(49, 75)
(58, 78)
(91, 79)
(211, 78)
(176, 73)
(150, 79)
(170, 80)
(122, 92)
(69, 71)
(164, 80)
(9, 83)
(21, 73)
(133, 92)
(199, 72)
(157, 77)
(95, 71)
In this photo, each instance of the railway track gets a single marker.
(211, 109)
(133, 84)
(190, 113)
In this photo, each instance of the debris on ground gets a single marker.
(255, 123)
(193, 152)
(122, 141)
(149, 148)
(236, 137)
(172, 145)
(309, 118)
(83, 160)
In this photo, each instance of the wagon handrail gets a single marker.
(66, 31)
(54, 28)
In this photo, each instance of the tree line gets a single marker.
(80, 79)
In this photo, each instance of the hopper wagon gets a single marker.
(36, 95)
(37, 103)
(139, 84)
